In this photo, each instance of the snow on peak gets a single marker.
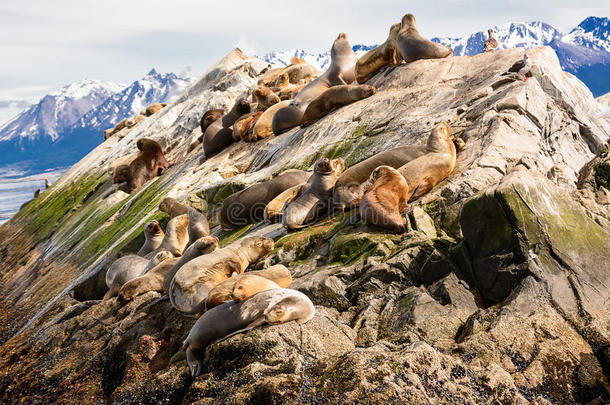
(592, 33)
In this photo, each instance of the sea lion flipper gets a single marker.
(421, 189)
(193, 360)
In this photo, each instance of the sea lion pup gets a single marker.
(208, 119)
(193, 281)
(348, 191)
(385, 199)
(317, 197)
(430, 169)
(200, 247)
(264, 124)
(299, 71)
(127, 268)
(176, 236)
(153, 236)
(265, 97)
(150, 163)
(275, 207)
(198, 226)
(278, 274)
(250, 284)
(411, 46)
(242, 129)
(220, 133)
(335, 98)
(153, 279)
(490, 44)
(247, 206)
(272, 306)
(153, 109)
(341, 71)
(385, 54)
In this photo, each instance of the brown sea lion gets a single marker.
(278, 274)
(411, 46)
(299, 71)
(317, 197)
(289, 92)
(385, 199)
(263, 126)
(208, 119)
(220, 133)
(193, 281)
(124, 160)
(153, 237)
(265, 97)
(242, 129)
(121, 125)
(133, 121)
(198, 223)
(127, 268)
(150, 163)
(250, 284)
(335, 98)
(282, 81)
(176, 236)
(430, 169)
(120, 174)
(269, 76)
(153, 279)
(201, 246)
(247, 206)
(341, 71)
(383, 55)
(153, 109)
(275, 207)
(348, 192)
(272, 306)
(108, 133)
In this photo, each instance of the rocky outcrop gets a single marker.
(498, 292)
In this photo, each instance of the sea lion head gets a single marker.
(282, 80)
(341, 46)
(248, 285)
(209, 117)
(178, 227)
(242, 106)
(161, 256)
(490, 32)
(408, 22)
(284, 311)
(256, 246)
(342, 35)
(338, 165)
(147, 144)
(153, 228)
(394, 29)
(368, 90)
(208, 244)
(439, 138)
(323, 166)
(379, 172)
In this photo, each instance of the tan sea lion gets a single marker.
(265, 97)
(108, 133)
(198, 226)
(335, 98)
(263, 126)
(133, 121)
(490, 44)
(348, 192)
(278, 274)
(272, 306)
(275, 207)
(269, 76)
(153, 237)
(220, 133)
(176, 236)
(153, 279)
(250, 284)
(194, 280)
(383, 55)
(299, 71)
(153, 109)
(208, 119)
(411, 46)
(247, 206)
(317, 197)
(150, 163)
(121, 125)
(201, 246)
(430, 169)
(385, 199)
(127, 268)
(242, 129)
(282, 81)
(289, 92)
(341, 71)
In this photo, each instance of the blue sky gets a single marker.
(47, 44)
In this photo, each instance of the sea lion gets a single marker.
(153, 236)
(153, 279)
(201, 246)
(289, 92)
(198, 226)
(341, 71)
(385, 199)
(273, 210)
(208, 119)
(411, 46)
(282, 81)
(247, 206)
(272, 306)
(108, 133)
(125, 160)
(220, 133)
(242, 129)
(348, 192)
(133, 121)
(490, 44)
(265, 97)
(334, 98)
(278, 274)
(121, 125)
(385, 54)
(153, 109)
(299, 71)
(120, 174)
(176, 236)
(250, 284)
(127, 268)
(150, 163)
(317, 197)
(194, 280)
(430, 169)
(263, 126)
(269, 76)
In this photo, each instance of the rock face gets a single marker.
(499, 291)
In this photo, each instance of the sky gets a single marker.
(48, 44)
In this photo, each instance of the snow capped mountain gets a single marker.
(592, 33)
(58, 110)
(319, 60)
(153, 88)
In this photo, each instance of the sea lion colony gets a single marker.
(186, 262)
